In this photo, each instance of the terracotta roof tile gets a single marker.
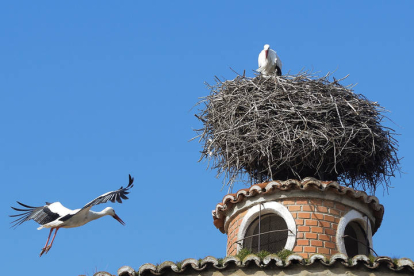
(270, 260)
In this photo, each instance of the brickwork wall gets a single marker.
(232, 234)
(316, 224)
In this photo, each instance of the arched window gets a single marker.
(273, 237)
(273, 217)
(355, 239)
(354, 234)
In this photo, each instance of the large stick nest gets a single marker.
(293, 127)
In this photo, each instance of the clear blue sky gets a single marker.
(91, 91)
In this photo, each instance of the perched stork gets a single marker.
(269, 62)
(55, 215)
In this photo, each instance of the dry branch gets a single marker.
(293, 127)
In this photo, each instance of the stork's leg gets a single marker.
(51, 243)
(44, 248)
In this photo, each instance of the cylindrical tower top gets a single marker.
(306, 217)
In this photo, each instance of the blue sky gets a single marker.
(91, 91)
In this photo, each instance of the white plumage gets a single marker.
(269, 62)
(55, 215)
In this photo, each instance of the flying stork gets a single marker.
(56, 216)
(269, 62)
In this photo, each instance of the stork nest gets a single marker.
(296, 126)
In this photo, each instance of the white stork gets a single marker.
(55, 215)
(269, 62)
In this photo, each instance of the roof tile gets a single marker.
(268, 261)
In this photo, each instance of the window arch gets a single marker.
(273, 217)
(354, 235)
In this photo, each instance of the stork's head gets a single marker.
(266, 49)
(110, 211)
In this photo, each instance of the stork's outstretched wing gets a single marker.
(41, 215)
(117, 195)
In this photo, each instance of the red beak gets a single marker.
(119, 219)
(266, 53)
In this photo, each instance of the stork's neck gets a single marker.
(95, 215)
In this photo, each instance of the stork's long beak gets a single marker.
(266, 52)
(119, 219)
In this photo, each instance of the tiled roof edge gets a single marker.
(222, 264)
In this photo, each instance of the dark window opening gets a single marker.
(270, 240)
(356, 241)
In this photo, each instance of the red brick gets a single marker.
(311, 235)
(315, 201)
(294, 215)
(333, 251)
(329, 231)
(329, 218)
(317, 229)
(316, 243)
(303, 228)
(341, 207)
(301, 202)
(334, 226)
(325, 224)
(303, 242)
(304, 255)
(300, 235)
(298, 249)
(308, 208)
(309, 249)
(334, 212)
(230, 237)
(328, 203)
(311, 222)
(323, 250)
(288, 202)
(324, 237)
(317, 216)
(304, 215)
(330, 245)
(299, 221)
(322, 209)
(293, 208)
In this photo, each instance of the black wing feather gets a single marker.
(41, 214)
(124, 196)
(278, 71)
(113, 196)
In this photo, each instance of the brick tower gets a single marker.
(306, 217)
